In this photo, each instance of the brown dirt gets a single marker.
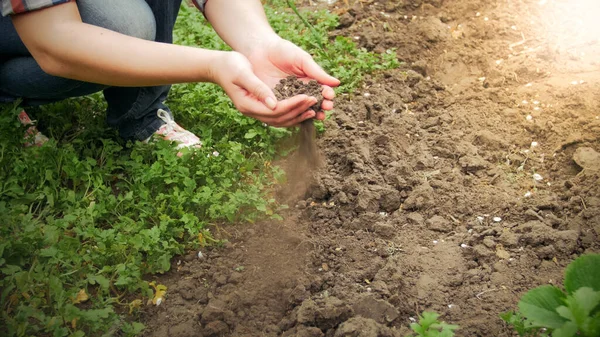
(433, 202)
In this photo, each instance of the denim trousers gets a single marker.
(131, 110)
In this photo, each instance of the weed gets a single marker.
(430, 326)
(547, 310)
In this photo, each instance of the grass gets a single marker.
(86, 217)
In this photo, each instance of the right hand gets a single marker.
(253, 98)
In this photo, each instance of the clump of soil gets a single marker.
(307, 147)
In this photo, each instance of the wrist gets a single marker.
(257, 42)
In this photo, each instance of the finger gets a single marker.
(313, 70)
(257, 88)
(320, 116)
(327, 105)
(328, 92)
(299, 119)
(294, 103)
(297, 111)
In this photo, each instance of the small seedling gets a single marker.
(548, 311)
(430, 326)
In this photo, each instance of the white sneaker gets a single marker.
(32, 136)
(171, 131)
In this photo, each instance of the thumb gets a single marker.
(259, 89)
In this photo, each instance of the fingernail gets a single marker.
(271, 103)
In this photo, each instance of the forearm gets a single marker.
(242, 25)
(72, 49)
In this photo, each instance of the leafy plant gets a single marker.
(549, 311)
(89, 214)
(430, 326)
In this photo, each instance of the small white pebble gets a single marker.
(574, 83)
(366, 94)
(215, 153)
(525, 101)
(529, 84)
(463, 245)
(497, 219)
(527, 194)
(538, 177)
(357, 37)
(435, 242)
(200, 255)
(534, 144)
(481, 79)
(477, 14)
(383, 213)
(412, 319)
(159, 301)
(486, 19)
(536, 102)
(369, 289)
(529, 117)
(513, 27)
(537, 108)
(470, 231)
(498, 62)
(450, 306)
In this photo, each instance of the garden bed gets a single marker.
(455, 184)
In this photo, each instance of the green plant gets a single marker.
(430, 326)
(549, 311)
(89, 214)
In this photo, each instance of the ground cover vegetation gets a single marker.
(548, 311)
(85, 218)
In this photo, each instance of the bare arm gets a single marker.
(242, 25)
(65, 46)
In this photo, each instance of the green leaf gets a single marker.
(582, 302)
(569, 329)
(102, 281)
(428, 318)
(250, 134)
(539, 307)
(583, 272)
(591, 327)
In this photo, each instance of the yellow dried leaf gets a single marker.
(81, 297)
(26, 295)
(325, 266)
(74, 323)
(13, 299)
(159, 292)
(135, 304)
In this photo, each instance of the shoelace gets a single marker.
(169, 121)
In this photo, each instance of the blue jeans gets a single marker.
(131, 110)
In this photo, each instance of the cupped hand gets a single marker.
(254, 98)
(277, 59)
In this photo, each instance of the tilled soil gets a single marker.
(454, 184)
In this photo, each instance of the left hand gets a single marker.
(277, 59)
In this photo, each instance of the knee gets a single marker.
(132, 17)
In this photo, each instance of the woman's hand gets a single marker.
(253, 97)
(278, 58)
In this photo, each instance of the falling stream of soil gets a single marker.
(308, 154)
(454, 184)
